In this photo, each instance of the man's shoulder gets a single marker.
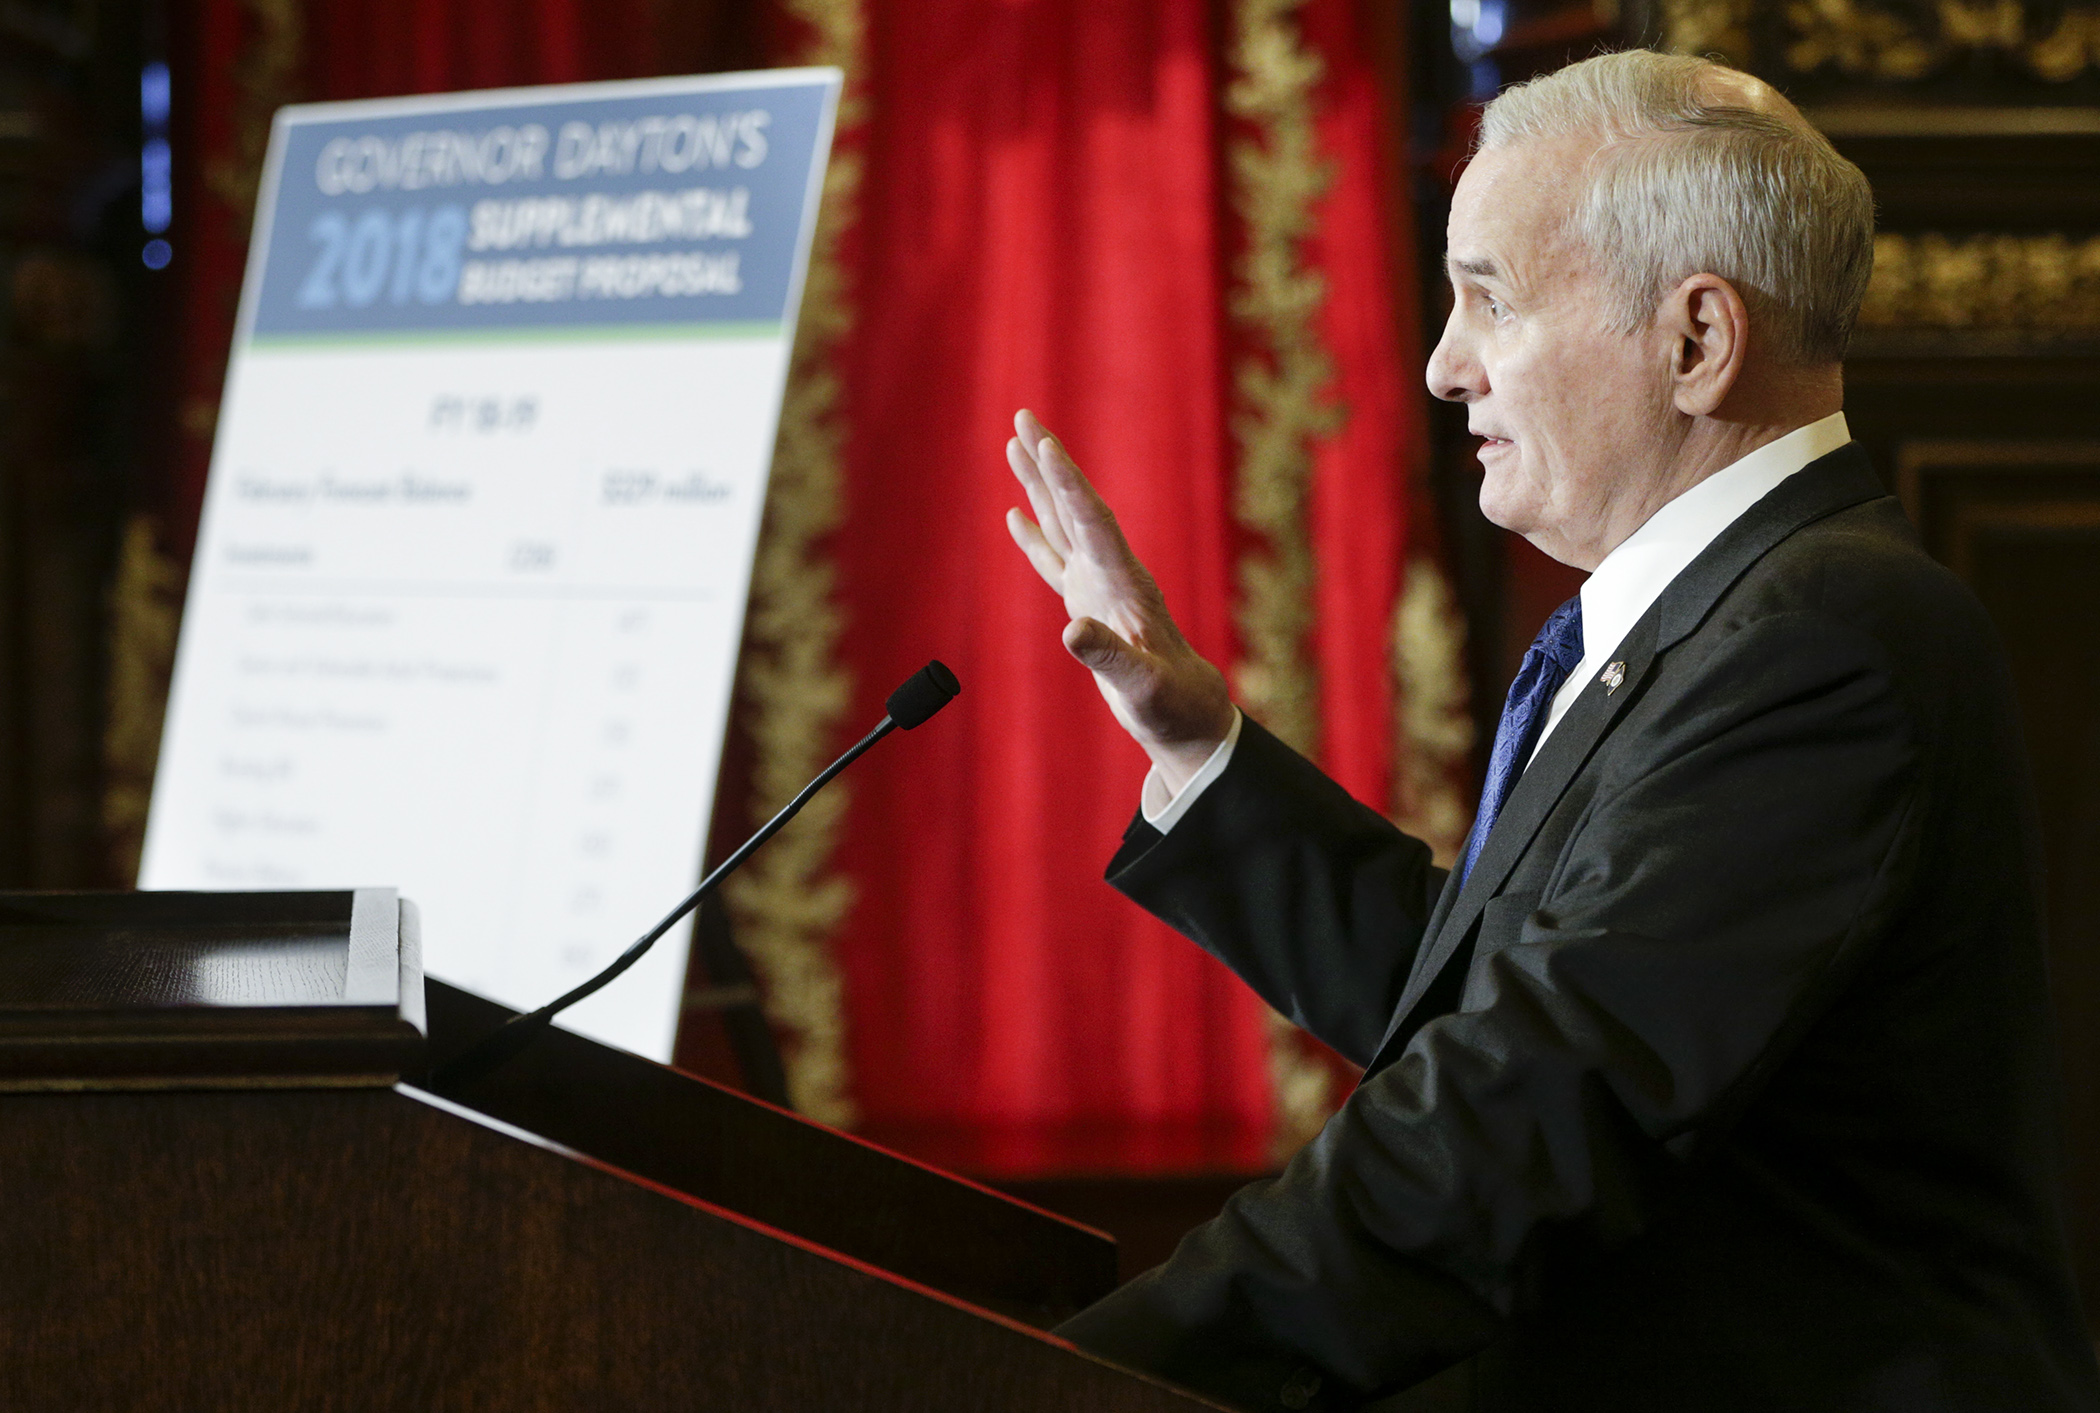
(1863, 566)
(1856, 591)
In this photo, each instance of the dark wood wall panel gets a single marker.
(74, 301)
(2020, 522)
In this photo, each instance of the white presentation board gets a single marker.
(471, 575)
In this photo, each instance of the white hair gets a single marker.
(1688, 182)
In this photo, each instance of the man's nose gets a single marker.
(1454, 373)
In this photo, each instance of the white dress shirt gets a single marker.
(1621, 589)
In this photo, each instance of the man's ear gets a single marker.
(1711, 329)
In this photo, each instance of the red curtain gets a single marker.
(1040, 229)
(1368, 476)
(1046, 222)
(1044, 227)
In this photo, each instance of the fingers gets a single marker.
(1077, 526)
(1088, 522)
(1029, 428)
(1103, 651)
(1047, 561)
(1022, 460)
(1024, 454)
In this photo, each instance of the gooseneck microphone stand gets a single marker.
(923, 693)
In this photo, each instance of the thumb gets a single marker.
(1102, 649)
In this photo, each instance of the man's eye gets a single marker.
(1496, 308)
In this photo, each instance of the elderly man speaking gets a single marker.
(1716, 1076)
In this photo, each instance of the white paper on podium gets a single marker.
(470, 580)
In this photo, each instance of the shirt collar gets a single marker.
(1633, 576)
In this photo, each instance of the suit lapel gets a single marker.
(1832, 483)
(1537, 791)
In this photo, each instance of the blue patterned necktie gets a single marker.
(1547, 663)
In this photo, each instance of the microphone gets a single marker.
(912, 704)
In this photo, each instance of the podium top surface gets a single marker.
(131, 989)
(130, 952)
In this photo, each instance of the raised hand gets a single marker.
(1171, 701)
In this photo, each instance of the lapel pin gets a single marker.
(1613, 676)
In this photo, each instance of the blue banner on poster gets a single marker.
(671, 207)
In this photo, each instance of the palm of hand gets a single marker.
(1172, 701)
(1116, 592)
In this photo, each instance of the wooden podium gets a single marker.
(224, 1188)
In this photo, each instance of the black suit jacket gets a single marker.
(1725, 1081)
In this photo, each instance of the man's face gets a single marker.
(1577, 418)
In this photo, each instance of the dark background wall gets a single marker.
(78, 337)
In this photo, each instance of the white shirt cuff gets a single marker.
(1162, 811)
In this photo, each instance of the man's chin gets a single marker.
(1507, 511)
(1523, 519)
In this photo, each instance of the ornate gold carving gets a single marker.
(2042, 283)
(1435, 729)
(1983, 24)
(265, 78)
(2067, 50)
(1277, 176)
(785, 902)
(145, 606)
(1872, 42)
(1715, 29)
(1276, 179)
(1857, 40)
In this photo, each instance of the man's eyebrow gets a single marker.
(1480, 269)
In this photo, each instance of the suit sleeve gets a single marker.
(1312, 897)
(1752, 842)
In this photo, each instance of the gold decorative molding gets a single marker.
(1714, 29)
(1858, 40)
(1911, 42)
(786, 903)
(2045, 283)
(1277, 176)
(145, 607)
(265, 78)
(2069, 49)
(1434, 729)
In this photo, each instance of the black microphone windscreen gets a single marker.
(923, 693)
